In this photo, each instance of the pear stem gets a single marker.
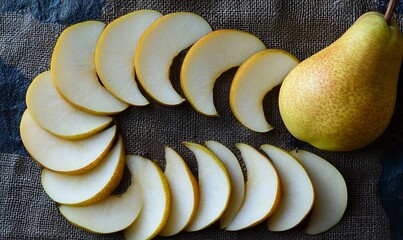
(389, 10)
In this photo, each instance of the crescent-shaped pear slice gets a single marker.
(73, 70)
(330, 192)
(156, 198)
(90, 187)
(297, 194)
(214, 188)
(208, 58)
(257, 76)
(53, 113)
(61, 155)
(157, 48)
(112, 214)
(236, 177)
(184, 193)
(262, 191)
(114, 55)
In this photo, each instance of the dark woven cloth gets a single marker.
(28, 33)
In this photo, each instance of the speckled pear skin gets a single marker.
(343, 97)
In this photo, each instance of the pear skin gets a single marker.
(342, 98)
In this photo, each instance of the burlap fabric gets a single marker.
(301, 27)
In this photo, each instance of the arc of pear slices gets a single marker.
(184, 193)
(236, 177)
(297, 190)
(53, 113)
(208, 58)
(158, 46)
(90, 187)
(255, 78)
(330, 192)
(64, 156)
(262, 191)
(112, 214)
(156, 197)
(73, 70)
(214, 188)
(114, 55)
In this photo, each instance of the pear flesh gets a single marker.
(73, 70)
(254, 79)
(114, 55)
(53, 113)
(156, 197)
(90, 187)
(262, 191)
(61, 155)
(157, 48)
(330, 192)
(208, 58)
(343, 97)
(214, 188)
(297, 192)
(184, 193)
(236, 177)
(112, 214)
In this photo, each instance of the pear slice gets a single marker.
(297, 190)
(90, 187)
(236, 178)
(64, 156)
(214, 188)
(112, 214)
(53, 113)
(208, 58)
(157, 48)
(114, 55)
(184, 193)
(330, 192)
(156, 198)
(254, 79)
(262, 190)
(73, 70)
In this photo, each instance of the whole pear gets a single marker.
(342, 98)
